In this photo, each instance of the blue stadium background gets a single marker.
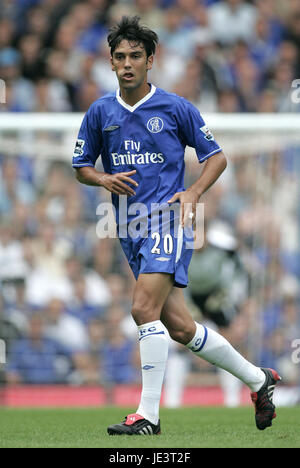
(65, 295)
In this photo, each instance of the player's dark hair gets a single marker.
(130, 29)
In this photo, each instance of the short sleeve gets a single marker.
(195, 133)
(88, 145)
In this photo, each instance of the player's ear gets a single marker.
(112, 64)
(150, 62)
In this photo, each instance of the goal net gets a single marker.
(65, 293)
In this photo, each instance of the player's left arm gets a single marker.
(214, 167)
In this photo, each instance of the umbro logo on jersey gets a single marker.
(111, 128)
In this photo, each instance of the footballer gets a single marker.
(141, 132)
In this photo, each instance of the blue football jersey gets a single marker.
(150, 137)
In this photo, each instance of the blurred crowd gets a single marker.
(65, 294)
(222, 55)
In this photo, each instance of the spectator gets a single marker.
(88, 93)
(97, 338)
(228, 101)
(90, 31)
(13, 265)
(281, 80)
(47, 278)
(67, 330)
(13, 188)
(232, 20)
(7, 32)
(36, 21)
(30, 47)
(174, 35)
(269, 11)
(94, 287)
(22, 90)
(118, 360)
(293, 30)
(101, 72)
(267, 102)
(119, 352)
(55, 68)
(80, 307)
(218, 279)
(277, 353)
(16, 309)
(120, 291)
(51, 96)
(263, 48)
(168, 68)
(66, 36)
(35, 359)
(148, 10)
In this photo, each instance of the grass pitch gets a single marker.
(181, 428)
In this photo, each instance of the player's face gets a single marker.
(131, 64)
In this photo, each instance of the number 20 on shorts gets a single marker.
(168, 244)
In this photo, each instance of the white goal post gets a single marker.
(52, 136)
(219, 122)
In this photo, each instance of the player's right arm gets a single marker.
(114, 183)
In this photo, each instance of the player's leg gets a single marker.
(214, 348)
(150, 294)
(207, 343)
(177, 319)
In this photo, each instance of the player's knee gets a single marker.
(144, 313)
(182, 336)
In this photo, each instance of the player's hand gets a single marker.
(188, 204)
(117, 183)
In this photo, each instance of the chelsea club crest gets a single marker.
(155, 125)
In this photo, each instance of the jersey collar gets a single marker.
(139, 103)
